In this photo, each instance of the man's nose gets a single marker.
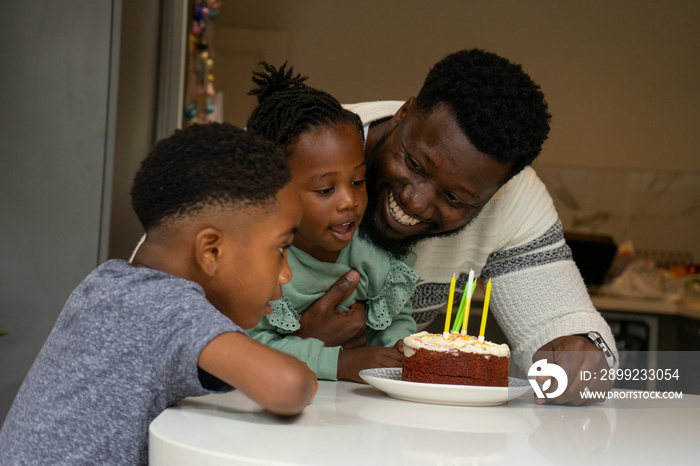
(420, 200)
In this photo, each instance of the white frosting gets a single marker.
(452, 342)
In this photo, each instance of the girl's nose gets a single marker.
(286, 272)
(347, 199)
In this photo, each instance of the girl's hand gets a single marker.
(351, 362)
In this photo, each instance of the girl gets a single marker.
(324, 145)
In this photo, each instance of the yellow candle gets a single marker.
(469, 290)
(482, 331)
(448, 316)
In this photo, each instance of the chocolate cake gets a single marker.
(454, 359)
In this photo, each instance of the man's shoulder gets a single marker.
(374, 110)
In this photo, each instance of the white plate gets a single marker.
(388, 380)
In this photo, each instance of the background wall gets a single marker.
(621, 79)
(58, 72)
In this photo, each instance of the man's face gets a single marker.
(426, 179)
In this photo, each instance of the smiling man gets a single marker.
(449, 179)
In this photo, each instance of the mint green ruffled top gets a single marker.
(386, 285)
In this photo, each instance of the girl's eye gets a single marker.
(324, 191)
(283, 249)
(359, 182)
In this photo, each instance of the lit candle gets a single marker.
(449, 306)
(485, 312)
(469, 302)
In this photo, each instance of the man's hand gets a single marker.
(323, 321)
(351, 362)
(574, 354)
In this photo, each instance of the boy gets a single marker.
(219, 214)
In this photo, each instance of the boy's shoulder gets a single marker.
(118, 276)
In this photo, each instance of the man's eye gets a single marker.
(413, 164)
(454, 200)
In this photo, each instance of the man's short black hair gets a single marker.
(497, 105)
(205, 165)
(287, 107)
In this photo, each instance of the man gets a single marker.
(449, 180)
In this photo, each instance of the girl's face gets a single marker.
(328, 166)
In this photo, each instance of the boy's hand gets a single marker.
(323, 321)
(351, 362)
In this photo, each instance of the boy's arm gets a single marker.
(275, 380)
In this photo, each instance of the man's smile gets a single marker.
(399, 215)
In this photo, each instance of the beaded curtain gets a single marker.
(199, 83)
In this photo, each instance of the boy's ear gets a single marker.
(400, 113)
(208, 250)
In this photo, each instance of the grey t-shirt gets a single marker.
(123, 349)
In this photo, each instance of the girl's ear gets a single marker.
(400, 113)
(208, 250)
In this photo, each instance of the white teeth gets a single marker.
(398, 214)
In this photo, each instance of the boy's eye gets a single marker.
(283, 249)
(324, 191)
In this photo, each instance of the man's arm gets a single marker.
(323, 321)
(538, 294)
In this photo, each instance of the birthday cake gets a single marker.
(454, 359)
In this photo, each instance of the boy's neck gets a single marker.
(158, 256)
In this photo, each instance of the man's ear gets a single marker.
(208, 250)
(400, 113)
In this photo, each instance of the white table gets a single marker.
(353, 424)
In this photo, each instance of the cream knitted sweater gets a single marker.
(537, 291)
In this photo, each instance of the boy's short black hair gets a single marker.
(206, 164)
(287, 107)
(496, 104)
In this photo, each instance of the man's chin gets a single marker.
(400, 247)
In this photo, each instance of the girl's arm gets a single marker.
(275, 380)
(401, 326)
(319, 358)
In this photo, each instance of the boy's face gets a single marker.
(329, 171)
(253, 264)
